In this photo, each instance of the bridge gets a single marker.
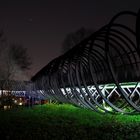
(102, 72)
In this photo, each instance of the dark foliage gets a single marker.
(20, 56)
(76, 37)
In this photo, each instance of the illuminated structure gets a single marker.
(102, 72)
(19, 93)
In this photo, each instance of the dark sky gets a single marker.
(41, 26)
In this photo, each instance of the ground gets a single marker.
(66, 122)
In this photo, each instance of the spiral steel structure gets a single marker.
(102, 72)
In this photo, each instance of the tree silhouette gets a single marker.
(76, 37)
(14, 61)
(20, 57)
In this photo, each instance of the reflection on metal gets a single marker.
(102, 72)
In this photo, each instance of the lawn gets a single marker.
(66, 122)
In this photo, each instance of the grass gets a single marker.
(62, 122)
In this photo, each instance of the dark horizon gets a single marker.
(41, 26)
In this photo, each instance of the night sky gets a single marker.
(41, 26)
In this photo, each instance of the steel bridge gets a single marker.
(102, 72)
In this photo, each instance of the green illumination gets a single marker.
(55, 120)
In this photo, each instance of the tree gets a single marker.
(19, 55)
(14, 61)
(76, 37)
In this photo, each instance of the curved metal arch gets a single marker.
(89, 75)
